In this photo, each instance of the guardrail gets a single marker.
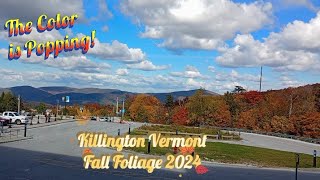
(11, 133)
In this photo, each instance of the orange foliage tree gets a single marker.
(308, 124)
(282, 124)
(253, 97)
(180, 116)
(248, 120)
(144, 108)
(221, 117)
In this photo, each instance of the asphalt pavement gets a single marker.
(53, 153)
(277, 143)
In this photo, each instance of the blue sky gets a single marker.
(164, 46)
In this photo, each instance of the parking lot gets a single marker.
(55, 137)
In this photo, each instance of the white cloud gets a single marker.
(103, 11)
(287, 81)
(306, 3)
(34, 35)
(117, 51)
(35, 78)
(147, 66)
(295, 48)
(122, 72)
(30, 10)
(73, 63)
(190, 72)
(105, 29)
(194, 84)
(202, 24)
(235, 76)
(212, 69)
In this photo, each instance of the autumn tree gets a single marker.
(201, 107)
(282, 124)
(196, 108)
(253, 97)
(317, 99)
(93, 108)
(144, 108)
(41, 108)
(221, 117)
(233, 107)
(180, 116)
(248, 120)
(73, 110)
(308, 124)
(161, 115)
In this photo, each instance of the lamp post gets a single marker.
(297, 164)
(122, 112)
(25, 129)
(315, 158)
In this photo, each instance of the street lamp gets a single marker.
(297, 164)
(315, 158)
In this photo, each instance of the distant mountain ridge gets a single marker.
(53, 94)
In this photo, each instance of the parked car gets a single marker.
(104, 119)
(14, 117)
(93, 118)
(4, 120)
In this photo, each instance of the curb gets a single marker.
(14, 140)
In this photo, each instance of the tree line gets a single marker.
(294, 111)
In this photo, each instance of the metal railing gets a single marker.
(11, 133)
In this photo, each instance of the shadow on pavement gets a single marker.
(25, 164)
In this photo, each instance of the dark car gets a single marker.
(93, 118)
(4, 121)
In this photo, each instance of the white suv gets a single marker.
(15, 117)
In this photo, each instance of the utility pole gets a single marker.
(65, 105)
(117, 105)
(261, 79)
(19, 104)
(57, 107)
(122, 109)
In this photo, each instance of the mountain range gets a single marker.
(51, 95)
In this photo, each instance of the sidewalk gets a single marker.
(7, 139)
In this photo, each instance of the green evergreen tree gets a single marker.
(169, 101)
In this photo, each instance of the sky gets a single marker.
(170, 45)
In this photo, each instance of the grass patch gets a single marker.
(239, 154)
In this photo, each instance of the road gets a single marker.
(53, 153)
(277, 143)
